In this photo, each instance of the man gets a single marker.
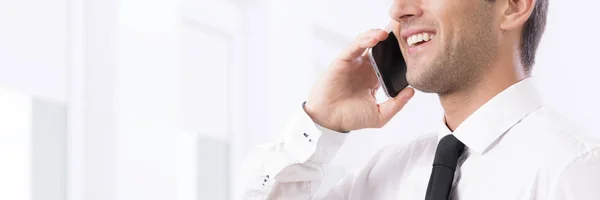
(497, 141)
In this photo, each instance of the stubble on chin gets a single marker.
(457, 66)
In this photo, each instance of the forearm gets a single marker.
(291, 168)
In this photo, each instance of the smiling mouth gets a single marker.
(419, 38)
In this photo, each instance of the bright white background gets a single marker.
(166, 97)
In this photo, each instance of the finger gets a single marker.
(362, 42)
(389, 108)
(378, 34)
(374, 41)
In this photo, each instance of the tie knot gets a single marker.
(448, 151)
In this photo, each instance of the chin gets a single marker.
(414, 75)
(413, 80)
(422, 82)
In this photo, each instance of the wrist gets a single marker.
(312, 113)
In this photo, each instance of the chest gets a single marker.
(476, 179)
(496, 180)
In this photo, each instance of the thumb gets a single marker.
(389, 108)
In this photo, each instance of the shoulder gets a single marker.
(553, 140)
(552, 128)
(580, 177)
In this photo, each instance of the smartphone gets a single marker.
(389, 65)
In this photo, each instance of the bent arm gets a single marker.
(292, 167)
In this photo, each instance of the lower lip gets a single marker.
(415, 49)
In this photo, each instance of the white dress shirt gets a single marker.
(515, 149)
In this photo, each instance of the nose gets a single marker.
(402, 10)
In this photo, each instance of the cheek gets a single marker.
(444, 14)
(451, 16)
(441, 9)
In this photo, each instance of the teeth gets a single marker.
(416, 38)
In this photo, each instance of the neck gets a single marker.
(459, 105)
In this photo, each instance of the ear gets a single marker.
(516, 13)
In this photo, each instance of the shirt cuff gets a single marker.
(307, 141)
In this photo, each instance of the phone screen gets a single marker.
(389, 65)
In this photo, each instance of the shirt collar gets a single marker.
(479, 131)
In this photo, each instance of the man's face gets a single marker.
(447, 45)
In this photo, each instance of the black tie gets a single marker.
(444, 165)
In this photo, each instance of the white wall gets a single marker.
(33, 47)
(124, 97)
(32, 148)
(147, 98)
(15, 146)
(567, 70)
(33, 72)
(92, 100)
(48, 150)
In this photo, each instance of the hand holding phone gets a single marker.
(389, 65)
(344, 97)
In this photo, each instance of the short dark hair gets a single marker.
(532, 33)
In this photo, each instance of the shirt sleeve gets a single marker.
(581, 179)
(292, 167)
